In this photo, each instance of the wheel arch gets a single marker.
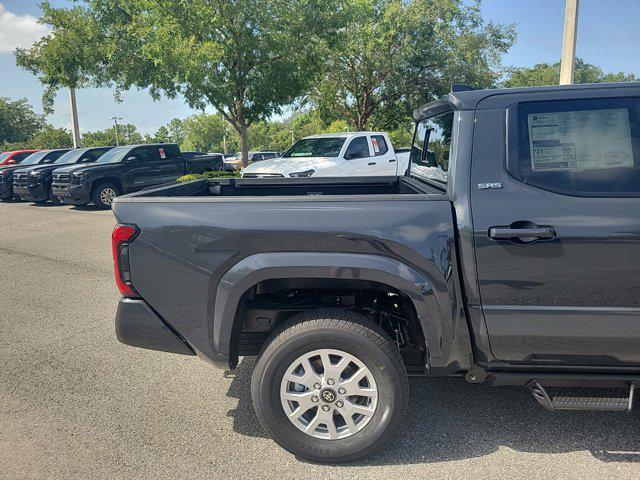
(102, 180)
(250, 271)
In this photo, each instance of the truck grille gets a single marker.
(61, 177)
(20, 179)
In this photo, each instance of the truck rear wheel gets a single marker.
(330, 386)
(103, 195)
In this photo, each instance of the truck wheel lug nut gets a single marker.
(330, 381)
(314, 399)
(317, 386)
(342, 391)
(339, 404)
(325, 408)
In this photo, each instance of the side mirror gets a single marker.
(11, 162)
(132, 158)
(351, 156)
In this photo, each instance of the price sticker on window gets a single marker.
(376, 148)
(162, 154)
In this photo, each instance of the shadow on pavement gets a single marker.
(449, 419)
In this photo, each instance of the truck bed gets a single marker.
(261, 187)
(192, 234)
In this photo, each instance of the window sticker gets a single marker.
(376, 148)
(162, 154)
(580, 140)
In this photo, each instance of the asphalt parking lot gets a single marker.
(74, 403)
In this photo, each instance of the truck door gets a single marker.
(358, 158)
(171, 165)
(556, 219)
(386, 162)
(142, 171)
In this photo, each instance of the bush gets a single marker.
(215, 174)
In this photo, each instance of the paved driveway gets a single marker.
(74, 403)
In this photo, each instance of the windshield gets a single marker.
(115, 155)
(34, 158)
(4, 156)
(72, 156)
(316, 147)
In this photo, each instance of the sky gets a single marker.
(607, 37)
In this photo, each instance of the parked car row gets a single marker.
(95, 174)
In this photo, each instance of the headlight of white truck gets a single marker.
(306, 173)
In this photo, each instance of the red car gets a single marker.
(15, 156)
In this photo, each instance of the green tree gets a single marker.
(18, 122)
(127, 135)
(162, 135)
(549, 74)
(176, 131)
(396, 54)
(69, 57)
(51, 137)
(205, 132)
(246, 58)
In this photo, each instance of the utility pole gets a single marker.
(77, 141)
(293, 140)
(569, 43)
(115, 123)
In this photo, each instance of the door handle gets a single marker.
(372, 163)
(523, 234)
(392, 160)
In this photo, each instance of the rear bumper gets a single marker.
(139, 326)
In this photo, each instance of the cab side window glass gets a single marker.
(432, 163)
(379, 145)
(358, 148)
(144, 154)
(580, 147)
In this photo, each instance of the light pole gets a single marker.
(77, 141)
(293, 140)
(568, 63)
(115, 123)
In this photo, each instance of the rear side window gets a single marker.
(580, 147)
(431, 148)
(169, 152)
(379, 145)
(358, 148)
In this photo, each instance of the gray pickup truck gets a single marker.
(508, 255)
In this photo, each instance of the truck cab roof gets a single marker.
(469, 99)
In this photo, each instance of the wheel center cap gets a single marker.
(328, 395)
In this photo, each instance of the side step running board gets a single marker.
(596, 404)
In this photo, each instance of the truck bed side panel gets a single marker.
(185, 247)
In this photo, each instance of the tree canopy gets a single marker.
(18, 121)
(243, 57)
(393, 55)
(549, 74)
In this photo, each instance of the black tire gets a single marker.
(97, 194)
(348, 332)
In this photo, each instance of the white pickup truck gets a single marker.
(348, 154)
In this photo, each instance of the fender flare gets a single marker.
(268, 266)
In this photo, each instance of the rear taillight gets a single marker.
(122, 236)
